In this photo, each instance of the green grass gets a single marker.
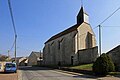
(114, 73)
(83, 67)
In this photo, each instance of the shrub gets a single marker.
(111, 64)
(103, 65)
(116, 67)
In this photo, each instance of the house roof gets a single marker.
(37, 54)
(118, 47)
(22, 59)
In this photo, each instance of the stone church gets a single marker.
(75, 45)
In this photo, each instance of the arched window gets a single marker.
(59, 43)
(89, 40)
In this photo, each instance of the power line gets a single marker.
(100, 36)
(107, 17)
(95, 27)
(12, 46)
(12, 18)
(111, 26)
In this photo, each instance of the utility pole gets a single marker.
(15, 47)
(13, 23)
(40, 54)
(8, 55)
(99, 39)
(100, 28)
(40, 58)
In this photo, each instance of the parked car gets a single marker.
(2, 66)
(10, 67)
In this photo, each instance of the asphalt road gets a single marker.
(40, 73)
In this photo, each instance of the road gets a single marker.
(40, 73)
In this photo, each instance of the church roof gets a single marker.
(82, 8)
(63, 33)
(73, 28)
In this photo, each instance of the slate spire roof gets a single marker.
(80, 20)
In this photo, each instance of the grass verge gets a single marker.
(82, 67)
(114, 73)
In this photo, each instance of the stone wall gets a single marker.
(87, 55)
(60, 49)
(115, 55)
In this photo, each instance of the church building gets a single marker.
(75, 45)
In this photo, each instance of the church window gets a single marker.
(58, 44)
(48, 48)
(52, 43)
(89, 40)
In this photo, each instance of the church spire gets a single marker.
(82, 16)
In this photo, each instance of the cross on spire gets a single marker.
(81, 3)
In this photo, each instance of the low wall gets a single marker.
(87, 55)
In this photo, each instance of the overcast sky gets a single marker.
(37, 20)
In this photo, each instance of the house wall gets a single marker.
(32, 60)
(22, 61)
(115, 55)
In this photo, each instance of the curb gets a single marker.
(78, 71)
(75, 73)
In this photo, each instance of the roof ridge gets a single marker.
(66, 31)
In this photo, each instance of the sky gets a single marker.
(37, 20)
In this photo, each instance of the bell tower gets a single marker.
(82, 16)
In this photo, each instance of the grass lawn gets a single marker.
(83, 67)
